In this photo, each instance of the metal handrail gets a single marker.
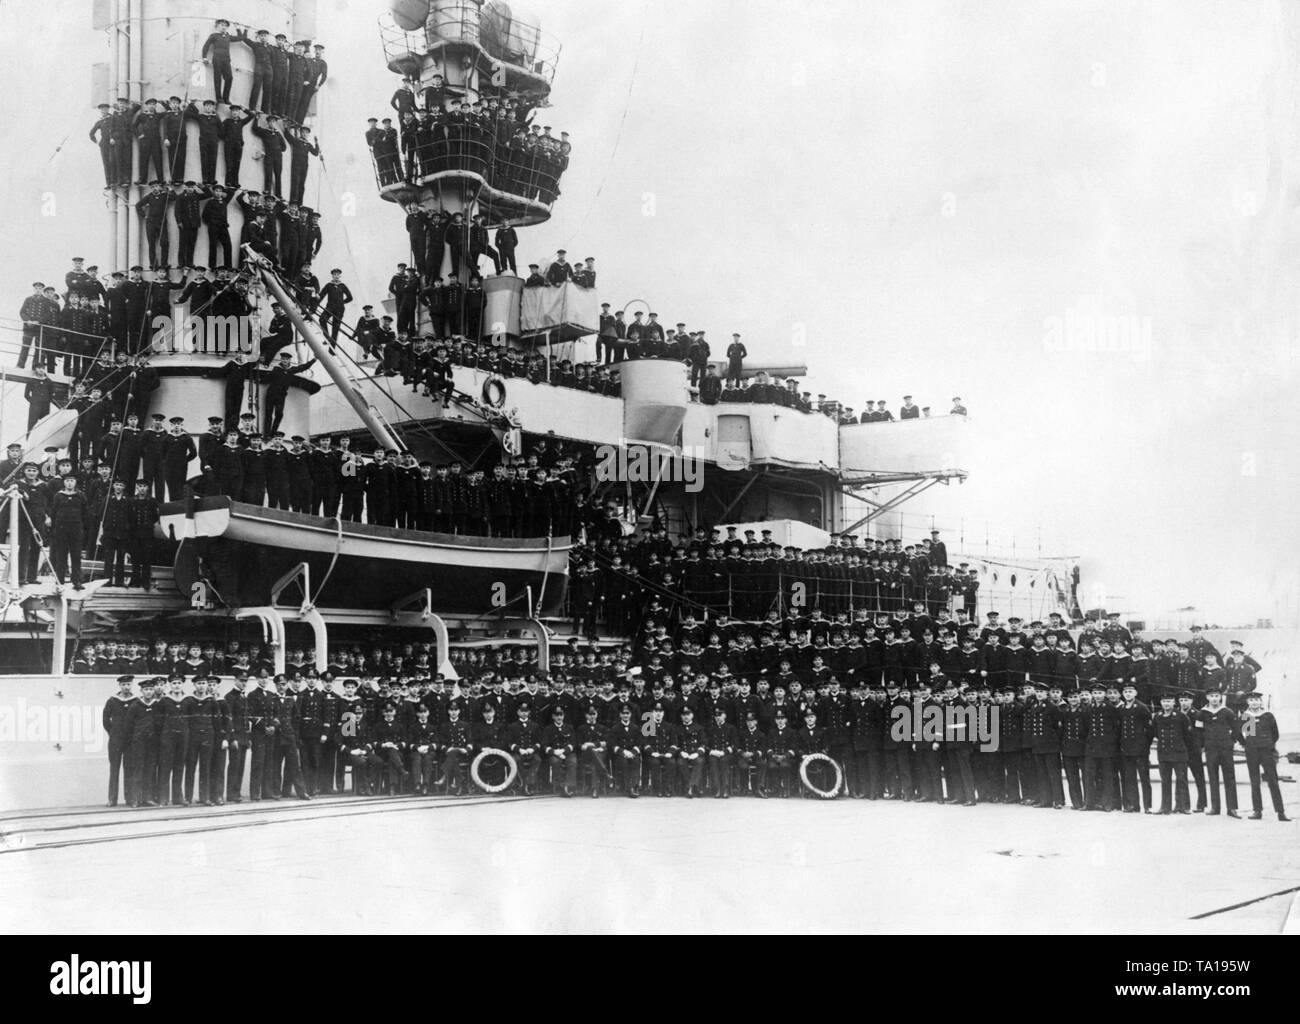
(532, 181)
(515, 44)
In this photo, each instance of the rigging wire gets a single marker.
(622, 123)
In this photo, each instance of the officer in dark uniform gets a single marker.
(115, 533)
(1101, 751)
(559, 743)
(1041, 733)
(238, 736)
(593, 743)
(690, 744)
(626, 743)
(189, 218)
(285, 715)
(390, 746)
(1135, 751)
(525, 738)
(174, 140)
(720, 743)
(455, 741)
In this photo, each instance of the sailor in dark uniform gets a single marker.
(144, 126)
(105, 128)
(219, 45)
(117, 724)
(228, 467)
(67, 518)
(1218, 727)
(260, 94)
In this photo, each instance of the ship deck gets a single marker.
(512, 864)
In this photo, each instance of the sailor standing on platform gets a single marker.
(115, 532)
(67, 516)
(1259, 735)
(178, 451)
(506, 241)
(315, 72)
(142, 747)
(277, 388)
(303, 148)
(297, 80)
(273, 147)
(39, 394)
(1218, 726)
(334, 298)
(103, 128)
(260, 94)
(174, 141)
(232, 142)
(144, 126)
(228, 467)
(279, 74)
(736, 353)
(117, 723)
(123, 121)
(218, 43)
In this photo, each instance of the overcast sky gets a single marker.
(944, 196)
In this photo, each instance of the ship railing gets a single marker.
(531, 178)
(509, 42)
(751, 596)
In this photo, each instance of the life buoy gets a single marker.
(825, 794)
(494, 392)
(512, 769)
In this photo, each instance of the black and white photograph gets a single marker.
(478, 468)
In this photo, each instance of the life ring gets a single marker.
(512, 769)
(494, 392)
(828, 794)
